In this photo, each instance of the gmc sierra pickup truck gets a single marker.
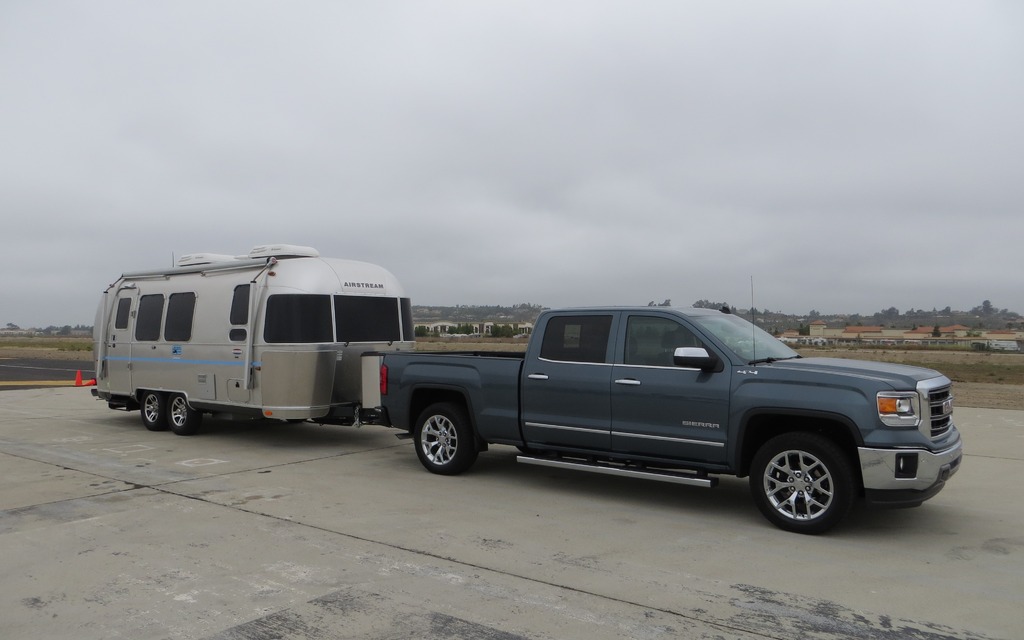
(681, 395)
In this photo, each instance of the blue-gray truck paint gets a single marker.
(671, 417)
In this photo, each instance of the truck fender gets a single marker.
(422, 396)
(757, 426)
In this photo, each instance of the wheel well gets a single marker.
(423, 398)
(762, 428)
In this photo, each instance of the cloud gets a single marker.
(848, 157)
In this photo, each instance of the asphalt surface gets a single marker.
(258, 530)
(35, 373)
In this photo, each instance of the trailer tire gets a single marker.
(802, 482)
(153, 407)
(181, 418)
(444, 439)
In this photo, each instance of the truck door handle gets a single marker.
(538, 376)
(629, 382)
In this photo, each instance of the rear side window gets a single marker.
(295, 317)
(367, 319)
(180, 311)
(151, 310)
(124, 310)
(577, 338)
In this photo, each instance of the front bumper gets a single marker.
(906, 477)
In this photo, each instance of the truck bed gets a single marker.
(488, 381)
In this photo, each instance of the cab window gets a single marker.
(651, 340)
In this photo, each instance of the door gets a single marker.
(662, 410)
(117, 358)
(565, 390)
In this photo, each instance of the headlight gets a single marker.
(899, 409)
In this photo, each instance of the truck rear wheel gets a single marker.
(444, 439)
(153, 406)
(802, 482)
(181, 418)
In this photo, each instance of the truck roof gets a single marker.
(686, 311)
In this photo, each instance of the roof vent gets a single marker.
(190, 259)
(283, 251)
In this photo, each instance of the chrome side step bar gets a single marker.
(661, 475)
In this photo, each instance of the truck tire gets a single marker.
(802, 482)
(181, 418)
(153, 407)
(444, 439)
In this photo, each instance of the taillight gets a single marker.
(383, 379)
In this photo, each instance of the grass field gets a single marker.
(959, 366)
(47, 344)
(983, 379)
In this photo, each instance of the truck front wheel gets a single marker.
(802, 482)
(444, 439)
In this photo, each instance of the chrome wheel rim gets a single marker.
(798, 485)
(151, 407)
(179, 411)
(439, 440)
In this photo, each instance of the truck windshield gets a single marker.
(744, 339)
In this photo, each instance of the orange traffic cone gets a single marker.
(86, 383)
(78, 378)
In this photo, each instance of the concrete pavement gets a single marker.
(257, 530)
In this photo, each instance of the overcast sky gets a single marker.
(846, 156)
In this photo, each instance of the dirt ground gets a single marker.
(984, 395)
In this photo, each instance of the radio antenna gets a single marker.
(753, 327)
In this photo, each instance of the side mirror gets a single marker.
(696, 358)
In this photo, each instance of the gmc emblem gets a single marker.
(947, 406)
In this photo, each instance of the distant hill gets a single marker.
(525, 312)
(984, 316)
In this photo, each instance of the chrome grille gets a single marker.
(940, 411)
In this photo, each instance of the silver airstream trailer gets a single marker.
(276, 333)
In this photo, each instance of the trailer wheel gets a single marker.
(183, 419)
(153, 407)
(444, 439)
(802, 482)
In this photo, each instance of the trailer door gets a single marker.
(118, 337)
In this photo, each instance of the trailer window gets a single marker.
(180, 310)
(367, 319)
(407, 329)
(295, 317)
(124, 311)
(147, 325)
(240, 305)
(577, 339)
